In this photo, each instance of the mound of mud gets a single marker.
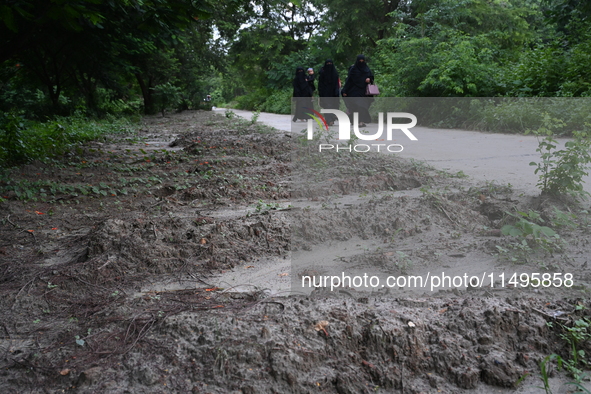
(108, 276)
(382, 218)
(157, 245)
(340, 345)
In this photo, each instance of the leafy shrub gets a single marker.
(278, 102)
(561, 171)
(33, 102)
(264, 100)
(253, 100)
(448, 66)
(23, 140)
(553, 70)
(577, 336)
(205, 105)
(108, 103)
(496, 114)
(167, 96)
(576, 78)
(12, 148)
(462, 66)
(538, 72)
(531, 235)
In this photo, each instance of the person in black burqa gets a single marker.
(302, 94)
(310, 78)
(328, 89)
(355, 87)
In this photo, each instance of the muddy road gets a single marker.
(166, 261)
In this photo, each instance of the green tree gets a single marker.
(455, 48)
(74, 45)
(355, 26)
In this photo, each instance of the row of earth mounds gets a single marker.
(345, 345)
(95, 334)
(384, 218)
(222, 190)
(159, 245)
(319, 174)
(354, 184)
(252, 139)
(236, 167)
(120, 254)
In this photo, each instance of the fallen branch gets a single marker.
(8, 220)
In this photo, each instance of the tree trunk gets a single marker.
(149, 107)
(87, 86)
(54, 95)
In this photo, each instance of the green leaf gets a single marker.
(507, 229)
(547, 231)
(515, 232)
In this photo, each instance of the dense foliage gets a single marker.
(423, 48)
(125, 57)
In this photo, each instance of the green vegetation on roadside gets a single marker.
(575, 333)
(23, 140)
(69, 169)
(101, 57)
(561, 171)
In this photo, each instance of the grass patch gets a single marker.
(22, 141)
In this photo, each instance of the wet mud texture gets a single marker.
(112, 291)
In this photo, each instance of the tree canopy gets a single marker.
(123, 56)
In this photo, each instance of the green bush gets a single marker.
(108, 103)
(519, 114)
(253, 100)
(24, 140)
(205, 105)
(553, 70)
(274, 101)
(167, 96)
(531, 235)
(495, 114)
(32, 101)
(452, 65)
(561, 171)
(278, 102)
(538, 72)
(13, 149)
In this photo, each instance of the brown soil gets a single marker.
(111, 259)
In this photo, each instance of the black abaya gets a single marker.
(328, 89)
(355, 88)
(302, 95)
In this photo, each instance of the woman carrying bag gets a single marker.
(355, 90)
